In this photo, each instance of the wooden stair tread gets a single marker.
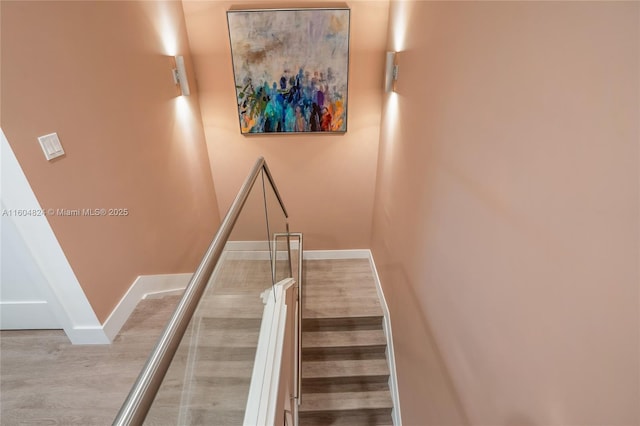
(343, 338)
(334, 401)
(331, 306)
(344, 368)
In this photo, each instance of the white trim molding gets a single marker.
(265, 380)
(336, 254)
(391, 359)
(145, 286)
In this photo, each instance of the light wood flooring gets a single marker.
(46, 380)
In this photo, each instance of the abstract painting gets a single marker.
(291, 69)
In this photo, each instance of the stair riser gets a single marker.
(345, 384)
(350, 418)
(342, 324)
(343, 387)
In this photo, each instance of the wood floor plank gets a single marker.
(44, 379)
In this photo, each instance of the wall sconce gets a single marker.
(180, 76)
(391, 73)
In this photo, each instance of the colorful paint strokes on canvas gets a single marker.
(290, 69)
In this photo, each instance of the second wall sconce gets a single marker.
(391, 72)
(180, 76)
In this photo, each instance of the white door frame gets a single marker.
(63, 292)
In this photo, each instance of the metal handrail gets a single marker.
(138, 402)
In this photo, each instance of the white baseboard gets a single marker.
(37, 314)
(144, 286)
(336, 254)
(88, 335)
(391, 360)
(27, 315)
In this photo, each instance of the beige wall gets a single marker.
(327, 182)
(97, 74)
(506, 213)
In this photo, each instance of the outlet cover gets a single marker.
(51, 146)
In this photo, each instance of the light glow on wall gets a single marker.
(184, 131)
(167, 29)
(183, 112)
(400, 15)
(187, 125)
(399, 25)
(162, 15)
(401, 11)
(390, 118)
(186, 136)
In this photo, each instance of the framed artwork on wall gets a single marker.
(291, 69)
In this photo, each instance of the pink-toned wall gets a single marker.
(506, 213)
(98, 74)
(327, 181)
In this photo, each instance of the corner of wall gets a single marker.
(142, 287)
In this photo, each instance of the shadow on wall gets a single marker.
(517, 419)
(420, 367)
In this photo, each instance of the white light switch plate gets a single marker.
(51, 146)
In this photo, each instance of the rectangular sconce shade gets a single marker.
(391, 72)
(180, 76)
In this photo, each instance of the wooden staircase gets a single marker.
(344, 367)
(209, 378)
